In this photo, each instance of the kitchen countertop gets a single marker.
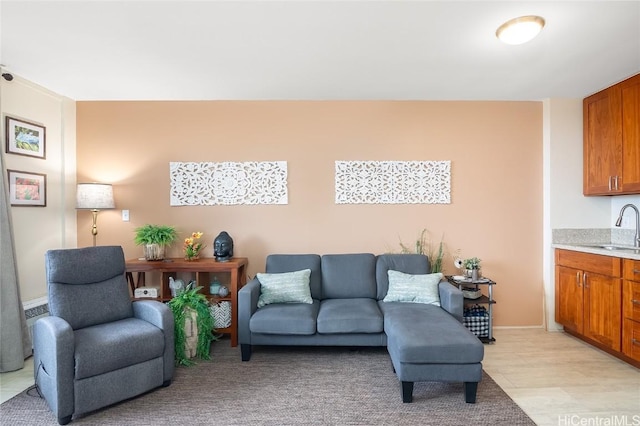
(588, 248)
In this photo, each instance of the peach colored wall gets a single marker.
(495, 149)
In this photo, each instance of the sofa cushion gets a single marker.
(407, 263)
(277, 263)
(285, 318)
(349, 316)
(107, 347)
(285, 287)
(348, 276)
(419, 333)
(413, 288)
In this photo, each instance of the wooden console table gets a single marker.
(232, 274)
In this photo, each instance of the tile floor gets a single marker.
(556, 379)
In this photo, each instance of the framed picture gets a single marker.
(25, 138)
(27, 189)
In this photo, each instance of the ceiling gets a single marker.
(317, 50)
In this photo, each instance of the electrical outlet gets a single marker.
(125, 215)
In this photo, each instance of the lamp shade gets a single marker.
(94, 196)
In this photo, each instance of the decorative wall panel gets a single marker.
(228, 183)
(393, 182)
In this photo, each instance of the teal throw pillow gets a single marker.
(286, 287)
(413, 288)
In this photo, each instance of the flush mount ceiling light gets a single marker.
(520, 30)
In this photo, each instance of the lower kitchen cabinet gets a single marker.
(589, 297)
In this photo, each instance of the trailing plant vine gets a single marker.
(190, 298)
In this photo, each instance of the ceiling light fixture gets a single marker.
(520, 30)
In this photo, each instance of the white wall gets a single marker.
(37, 229)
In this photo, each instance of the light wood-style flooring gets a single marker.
(555, 378)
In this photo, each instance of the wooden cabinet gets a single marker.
(588, 296)
(232, 273)
(602, 142)
(631, 309)
(612, 140)
(611, 134)
(569, 298)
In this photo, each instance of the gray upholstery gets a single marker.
(286, 318)
(348, 275)
(104, 297)
(410, 327)
(425, 342)
(356, 315)
(97, 347)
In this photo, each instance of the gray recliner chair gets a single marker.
(98, 347)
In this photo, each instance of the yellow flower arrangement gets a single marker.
(192, 246)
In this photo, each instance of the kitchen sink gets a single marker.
(614, 248)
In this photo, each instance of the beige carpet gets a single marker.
(289, 386)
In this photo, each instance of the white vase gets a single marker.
(153, 251)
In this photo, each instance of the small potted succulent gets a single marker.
(472, 267)
(154, 239)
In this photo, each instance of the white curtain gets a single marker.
(15, 342)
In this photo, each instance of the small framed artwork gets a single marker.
(25, 138)
(27, 189)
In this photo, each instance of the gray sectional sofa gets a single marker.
(347, 307)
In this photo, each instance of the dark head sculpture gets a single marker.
(223, 247)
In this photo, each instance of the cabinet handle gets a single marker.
(635, 301)
(578, 279)
(610, 183)
(616, 182)
(584, 280)
(635, 342)
(636, 271)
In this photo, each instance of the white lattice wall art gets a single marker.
(228, 183)
(393, 182)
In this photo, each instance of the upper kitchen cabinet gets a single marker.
(612, 140)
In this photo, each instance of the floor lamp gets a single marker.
(94, 197)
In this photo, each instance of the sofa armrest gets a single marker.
(160, 315)
(54, 364)
(451, 299)
(247, 306)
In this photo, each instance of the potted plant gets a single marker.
(194, 325)
(424, 247)
(472, 267)
(154, 239)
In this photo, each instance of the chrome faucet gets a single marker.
(636, 240)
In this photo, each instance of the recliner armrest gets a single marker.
(247, 306)
(451, 299)
(160, 315)
(54, 364)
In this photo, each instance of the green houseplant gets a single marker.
(188, 303)
(154, 239)
(423, 246)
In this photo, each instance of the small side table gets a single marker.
(203, 270)
(487, 300)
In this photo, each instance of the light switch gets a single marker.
(125, 215)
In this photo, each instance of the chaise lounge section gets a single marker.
(351, 302)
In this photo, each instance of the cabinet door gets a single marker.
(630, 95)
(602, 141)
(569, 291)
(603, 309)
